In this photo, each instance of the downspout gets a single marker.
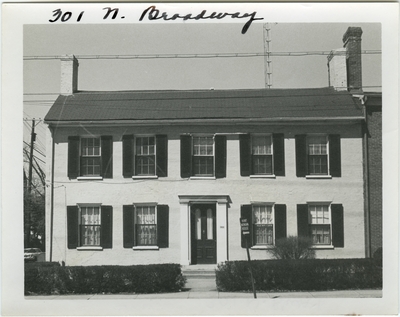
(52, 194)
(366, 181)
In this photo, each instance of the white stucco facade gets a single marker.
(227, 194)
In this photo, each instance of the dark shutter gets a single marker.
(279, 154)
(245, 154)
(162, 155)
(335, 165)
(220, 156)
(302, 221)
(246, 212)
(127, 155)
(128, 227)
(337, 225)
(301, 155)
(186, 156)
(72, 226)
(106, 156)
(163, 225)
(106, 227)
(73, 157)
(280, 221)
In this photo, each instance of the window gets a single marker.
(90, 157)
(144, 156)
(89, 226)
(262, 154)
(318, 155)
(261, 150)
(263, 223)
(323, 223)
(268, 223)
(145, 226)
(203, 156)
(320, 224)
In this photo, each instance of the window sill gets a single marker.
(261, 247)
(318, 176)
(262, 176)
(89, 178)
(89, 248)
(145, 247)
(322, 247)
(202, 177)
(145, 177)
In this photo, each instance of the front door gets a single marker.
(203, 234)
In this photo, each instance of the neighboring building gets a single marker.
(373, 170)
(144, 177)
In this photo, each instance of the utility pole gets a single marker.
(267, 55)
(28, 215)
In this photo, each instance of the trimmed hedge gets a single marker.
(156, 278)
(300, 275)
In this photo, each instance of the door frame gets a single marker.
(222, 203)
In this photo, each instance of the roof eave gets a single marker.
(206, 121)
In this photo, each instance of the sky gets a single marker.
(41, 78)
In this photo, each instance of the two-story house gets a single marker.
(140, 177)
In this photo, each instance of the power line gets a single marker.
(211, 55)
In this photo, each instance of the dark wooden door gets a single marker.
(203, 234)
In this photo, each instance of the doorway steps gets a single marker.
(200, 278)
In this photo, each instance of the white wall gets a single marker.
(289, 190)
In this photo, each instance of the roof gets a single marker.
(204, 104)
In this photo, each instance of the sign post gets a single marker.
(244, 225)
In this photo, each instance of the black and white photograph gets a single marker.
(199, 159)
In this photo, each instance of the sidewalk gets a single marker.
(214, 294)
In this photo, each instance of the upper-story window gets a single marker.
(203, 156)
(90, 157)
(261, 150)
(262, 154)
(145, 155)
(318, 155)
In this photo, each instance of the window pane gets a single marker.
(317, 145)
(90, 166)
(261, 145)
(318, 164)
(203, 165)
(210, 222)
(197, 215)
(262, 164)
(203, 145)
(321, 234)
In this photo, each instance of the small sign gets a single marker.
(244, 225)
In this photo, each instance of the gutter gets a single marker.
(205, 121)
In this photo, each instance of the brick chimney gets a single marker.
(352, 44)
(69, 75)
(344, 65)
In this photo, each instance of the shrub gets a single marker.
(156, 278)
(292, 248)
(299, 275)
